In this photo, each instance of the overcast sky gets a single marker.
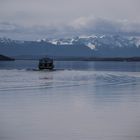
(77, 13)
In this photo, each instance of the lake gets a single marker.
(79, 100)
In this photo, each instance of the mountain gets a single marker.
(82, 46)
(5, 58)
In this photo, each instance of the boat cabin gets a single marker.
(46, 63)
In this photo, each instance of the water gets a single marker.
(76, 101)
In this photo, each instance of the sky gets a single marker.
(43, 17)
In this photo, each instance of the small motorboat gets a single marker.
(46, 63)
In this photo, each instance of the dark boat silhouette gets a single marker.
(46, 63)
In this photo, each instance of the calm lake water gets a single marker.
(76, 101)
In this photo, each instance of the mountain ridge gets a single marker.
(5, 58)
(82, 46)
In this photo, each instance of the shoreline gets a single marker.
(119, 59)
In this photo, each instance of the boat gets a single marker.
(46, 63)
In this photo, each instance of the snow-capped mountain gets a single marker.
(103, 40)
(82, 46)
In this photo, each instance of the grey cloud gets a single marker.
(33, 19)
(81, 26)
(102, 25)
(44, 12)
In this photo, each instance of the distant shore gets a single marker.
(6, 58)
(127, 59)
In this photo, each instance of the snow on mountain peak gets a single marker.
(86, 37)
(91, 46)
(92, 41)
(40, 40)
(102, 36)
(138, 43)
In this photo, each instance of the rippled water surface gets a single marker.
(76, 101)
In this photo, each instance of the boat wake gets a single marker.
(12, 80)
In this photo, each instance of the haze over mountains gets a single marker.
(82, 46)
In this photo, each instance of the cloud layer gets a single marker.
(32, 19)
(80, 26)
(104, 25)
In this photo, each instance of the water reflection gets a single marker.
(74, 65)
(99, 66)
(78, 104)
